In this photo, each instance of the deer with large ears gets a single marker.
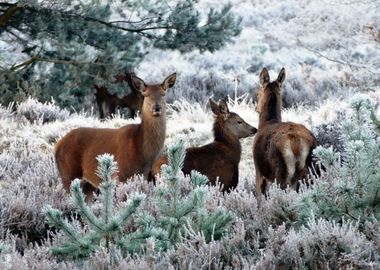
(134, 146)
(282, 151)
(219, 159)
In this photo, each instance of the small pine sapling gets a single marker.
(349, 188)
(104, 230)
(181, 212)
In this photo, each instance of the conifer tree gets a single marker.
(349, 188)
(63, 48)
(105, 230)
(182, 214)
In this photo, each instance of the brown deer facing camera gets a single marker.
(281, 150)
(107, 103)
(220, 158)
(134, 146)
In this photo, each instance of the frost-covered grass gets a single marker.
(260, 237)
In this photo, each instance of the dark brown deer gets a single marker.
(281, 150)
(219, 159)
(108, 103)
(135, 147)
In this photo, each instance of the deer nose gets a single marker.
(253, 130)
(156, 110)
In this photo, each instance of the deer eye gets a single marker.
(240, 122)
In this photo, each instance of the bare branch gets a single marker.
(339, 61)
(24, 64)
(7, 15)
(55, 61)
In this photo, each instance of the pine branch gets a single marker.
(107, 168)
(54, 218)
(129, 209)
(375, 120)
(64, 14)
(37, 58)
(9, 12)
(78, 197)
(198, 179)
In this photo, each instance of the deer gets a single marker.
(219, 159)
(282, 151)
(107, 103)
(134, 146)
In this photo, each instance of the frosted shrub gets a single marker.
(319, 245)
(28, 180)
(34, 110)
(232, 252)
(279, 207)
(200, 86)
(330, 134)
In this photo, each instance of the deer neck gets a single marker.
(272, 111)
(224, 136)
(153, 130)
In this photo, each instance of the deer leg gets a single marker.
(300, 175)
(132, 113)
(68, 170)
(261, 185)
(88, 190)
(101, 109)
(281, 177)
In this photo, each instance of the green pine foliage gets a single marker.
(65, 47)
(103, 231)
(2, 247)
(375, 120)
(349, 188)
(183, 213)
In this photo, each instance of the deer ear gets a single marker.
(138, 83)
(169, 81)
(214, 107)
(223, 107)
(281, 76)
(264, 76)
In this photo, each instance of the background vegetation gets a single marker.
(330, 52)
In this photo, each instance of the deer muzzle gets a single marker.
(156, 110)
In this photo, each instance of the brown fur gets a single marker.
(281, 150)
(135, 146)
(108, 103)
(219, 159)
